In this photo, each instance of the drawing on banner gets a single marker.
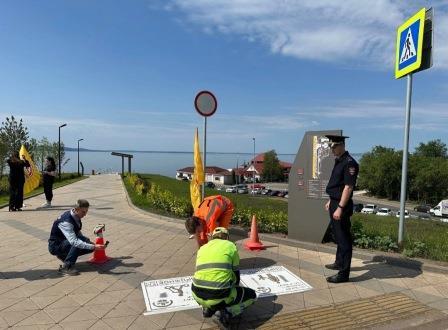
(275, 280)
(408, 50)
(177, 290)
(168, 295)
(174, 294)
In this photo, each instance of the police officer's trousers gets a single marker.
(342, 236)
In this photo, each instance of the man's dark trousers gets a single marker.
(66, 252)
(342, 236)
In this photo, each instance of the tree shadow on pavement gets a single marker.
(114, 266)
(383, 267)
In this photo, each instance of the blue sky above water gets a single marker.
(123, 74)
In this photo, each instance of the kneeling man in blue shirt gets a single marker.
(67, 242)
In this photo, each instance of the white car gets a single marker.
(369, 209)
(384, 212)
(231, 189)
(406, 214)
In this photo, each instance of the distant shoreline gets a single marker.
(178, 152)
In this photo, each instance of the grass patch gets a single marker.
(423, 238)
(182, 189)
(66, 178)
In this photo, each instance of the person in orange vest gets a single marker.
(214, 211)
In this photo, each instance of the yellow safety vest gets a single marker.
(215, 265)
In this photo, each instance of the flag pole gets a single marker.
(205, 157)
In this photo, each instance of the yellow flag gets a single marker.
(32, 174)
(198, 174)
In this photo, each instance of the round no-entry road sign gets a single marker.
(205, 103)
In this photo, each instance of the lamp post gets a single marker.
(253, 179)
(78, 154)
(59, 151)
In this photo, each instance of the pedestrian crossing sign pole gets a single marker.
(413, 53)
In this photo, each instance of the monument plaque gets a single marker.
(307, 218)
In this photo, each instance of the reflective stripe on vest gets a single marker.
(212, 210)
(219, 265)
(211, 284)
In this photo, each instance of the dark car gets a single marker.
(210, 185)
(424, 208)
(358, 207)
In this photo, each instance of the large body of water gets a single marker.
(164, 163)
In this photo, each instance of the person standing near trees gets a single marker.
(340, 206)
(16, 180)
(49, 173)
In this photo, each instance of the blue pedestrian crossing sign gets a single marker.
(410, 44)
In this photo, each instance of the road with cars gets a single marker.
(359, 198)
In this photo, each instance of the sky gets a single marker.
(123, 74)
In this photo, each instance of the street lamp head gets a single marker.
(80, 140)
(63, 125)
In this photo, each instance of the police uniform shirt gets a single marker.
(345, 172)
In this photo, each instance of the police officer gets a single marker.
(216, 281)
(340, 206)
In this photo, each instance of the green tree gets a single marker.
(272, 171)
(13, 134)
(434, 148)
(380, 172)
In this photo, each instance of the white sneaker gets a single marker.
(191, 236)
(46, 204)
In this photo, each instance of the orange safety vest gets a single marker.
(214, 211)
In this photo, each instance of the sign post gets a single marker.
(206, 105)
(412, 37)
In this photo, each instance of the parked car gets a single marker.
(384, 212)
(282, 193)
(266, 191)
(231, 189)
(256, 191)
(210, 185)
(424, 208)
(441, 209)
(369, 209)
(273, 193)
(358, 207)
(242, 190)
(406, 214)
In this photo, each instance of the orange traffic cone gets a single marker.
(99, 256)
(253, 243)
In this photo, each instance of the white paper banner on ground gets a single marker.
(273, 281)
(174, 294)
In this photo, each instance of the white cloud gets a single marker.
(355, 32)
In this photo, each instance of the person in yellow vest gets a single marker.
(214, 211)
(216, 281)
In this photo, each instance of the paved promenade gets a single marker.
(143, 247)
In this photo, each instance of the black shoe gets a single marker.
(338, 278)
(12, 209)
(207, 312)
(67, 270)
(225, 318)
(334, 266)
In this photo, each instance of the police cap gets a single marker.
(336, 139)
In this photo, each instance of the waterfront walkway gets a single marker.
(381, 294)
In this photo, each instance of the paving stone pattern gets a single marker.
(144, 247)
